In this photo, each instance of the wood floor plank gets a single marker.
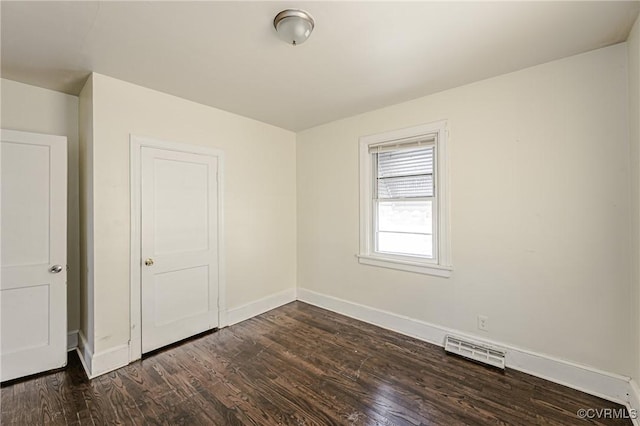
(297, 365)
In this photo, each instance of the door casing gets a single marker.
(136, 144)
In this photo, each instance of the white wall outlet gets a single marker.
(483, 322)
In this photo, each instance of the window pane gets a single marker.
(405, 216)
(409, 244)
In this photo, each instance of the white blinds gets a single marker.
(405, 173)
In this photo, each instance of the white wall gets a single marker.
(540, 183)
(633, 53)
(85, 123)
(259, 196)
(32, 109)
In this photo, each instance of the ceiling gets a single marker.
(361, 55)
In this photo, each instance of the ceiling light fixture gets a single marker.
(294, 25)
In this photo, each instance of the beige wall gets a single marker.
(541, 216)
(633, 53)
(85, 123)
(32, 109)
(540, 211)
(259, 195)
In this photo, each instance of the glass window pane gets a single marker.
(405, 216)
(408, 244)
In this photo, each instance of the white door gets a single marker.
(179, 245)
(33, 294)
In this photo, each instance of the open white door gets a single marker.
(179, 245)
(33, 294)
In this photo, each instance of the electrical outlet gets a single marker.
(483, 322)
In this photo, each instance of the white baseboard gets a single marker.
(72, 340)
(109, 360)
(605, 385)
(97, 364)
(634, 402)
(257, 307)
(84, 353)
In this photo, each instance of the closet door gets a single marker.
(179, 245)
(33, 295)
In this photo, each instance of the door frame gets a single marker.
(136, 144)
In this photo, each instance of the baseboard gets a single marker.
(257, 307)
(97, 364)
(634, 402)
(605, 385)
(109, 360)
(84, 353)
(72, 340)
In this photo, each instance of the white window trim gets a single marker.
(442, 267)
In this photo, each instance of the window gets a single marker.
(403, 203)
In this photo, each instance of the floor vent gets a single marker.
(475, 351)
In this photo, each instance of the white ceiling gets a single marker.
(361, 56)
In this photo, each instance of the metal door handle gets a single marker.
(148, 262)
(55, 269)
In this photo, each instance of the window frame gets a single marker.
(440, 265)
(376, 200)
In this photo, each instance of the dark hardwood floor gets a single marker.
(301, 365)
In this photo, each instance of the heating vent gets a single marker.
(475, 351)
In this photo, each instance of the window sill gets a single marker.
(406, 265)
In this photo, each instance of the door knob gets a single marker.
(148, 262)
(55, 269)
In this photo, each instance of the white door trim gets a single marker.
(136, 143)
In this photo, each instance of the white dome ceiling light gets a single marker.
(293, 26)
